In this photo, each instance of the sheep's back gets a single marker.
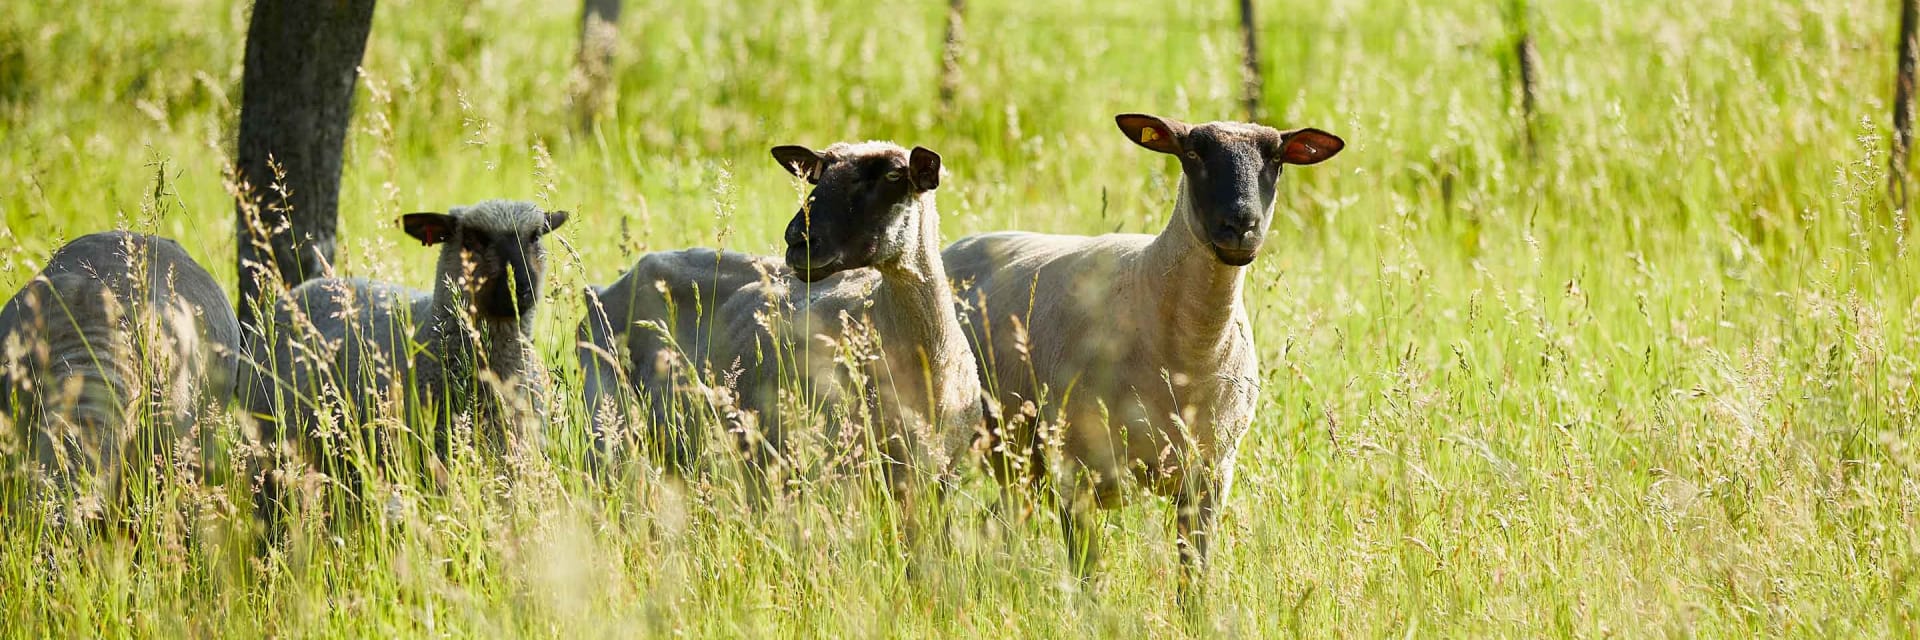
(131, 302)
(684, 292)
(333, 340)
(1063, 289)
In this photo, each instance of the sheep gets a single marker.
(339, 351)
(862, 263)
(1135, 349)
(681, 290)
(120, 348)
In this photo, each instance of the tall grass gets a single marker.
(1658, 381)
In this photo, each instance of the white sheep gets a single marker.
(862, 266)
(1131, 354)
(121, 348)
(341, 353)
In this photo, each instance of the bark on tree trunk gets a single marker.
(950, 54)
(593, 63)
(1903, 104)
(1250, 67)
(1528, 60)
(302, 61)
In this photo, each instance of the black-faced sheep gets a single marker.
(1135, 351)
(862, 266)
(340, 354)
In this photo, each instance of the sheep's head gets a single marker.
(1230, 168)
(492, 256)
(863, 210)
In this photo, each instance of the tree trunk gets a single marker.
(1250, 67)
(1903, 104)
(302, 61)
(593, 63)
(1527, 59)
(607, 11)
(950, 54)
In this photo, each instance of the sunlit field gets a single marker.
(1652, 376)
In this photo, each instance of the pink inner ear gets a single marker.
(1309, 147)
(430, 232)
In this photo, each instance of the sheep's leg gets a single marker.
(897, 473)
(607, 399)
(1195, 512)
(51, 483)
(19, 490)
(1080, 523)
(673, 421)
(919, 492)
(1012, 458)
(761, 442)
(607, 392)
(1080, 490)
(269, 457)
(269, 501)
(1002, 465)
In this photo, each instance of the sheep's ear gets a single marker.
(554, 220)
(923, 168)
(1153, 132)
(429, 228)
(1309, 146)
(800, 161)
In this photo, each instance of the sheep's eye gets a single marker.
(893, 176)
(1193, 155)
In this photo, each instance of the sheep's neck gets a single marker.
(479, 344)
(1189, 289)
(916, 287)
(460, 347)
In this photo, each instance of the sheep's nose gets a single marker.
(1239, 229)
(1236, 233)
(797, 230)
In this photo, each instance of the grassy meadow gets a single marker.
(1655, 377)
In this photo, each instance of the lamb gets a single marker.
(1136, 349)
(337, 353)
(120, 348)
(862, 262)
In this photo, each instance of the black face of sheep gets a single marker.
(499, 248)
(1230, 169)
(862, 194)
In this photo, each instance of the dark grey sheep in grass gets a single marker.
(349, 370)
(121, 348)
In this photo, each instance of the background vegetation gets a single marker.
(1658, 380)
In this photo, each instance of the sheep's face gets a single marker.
(1230, 169)
(492, 256)
(863, 210)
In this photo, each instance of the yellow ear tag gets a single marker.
(1149, 134)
